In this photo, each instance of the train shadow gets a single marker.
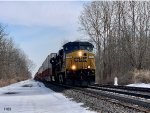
(58, 88)
(54, 87)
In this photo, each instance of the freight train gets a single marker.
(73, 64)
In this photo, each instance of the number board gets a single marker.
(80, 59)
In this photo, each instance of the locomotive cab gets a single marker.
(79, 61)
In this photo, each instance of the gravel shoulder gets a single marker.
(100, 105)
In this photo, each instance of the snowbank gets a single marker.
(33, 97)
(140, 85)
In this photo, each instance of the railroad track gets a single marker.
(142, 105)
(125, 91)
(140, 89)
(115, 98)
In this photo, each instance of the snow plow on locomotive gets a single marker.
(74, 64)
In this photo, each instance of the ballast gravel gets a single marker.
(92, 103)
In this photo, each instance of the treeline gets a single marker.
(120, 31)
(14, 65)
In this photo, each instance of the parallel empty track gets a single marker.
(121, 97)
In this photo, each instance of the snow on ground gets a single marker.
(33, 97)
(140, 85)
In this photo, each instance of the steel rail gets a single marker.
(140, 89)
(142, 106)
(122, 91)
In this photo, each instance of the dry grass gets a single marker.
(5, 82)
(135, 76)
(141, 76)
(125, 78)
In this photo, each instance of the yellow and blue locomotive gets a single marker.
(74, 64)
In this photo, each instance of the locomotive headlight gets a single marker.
(80, 53)
(89, 67)
(73, 67)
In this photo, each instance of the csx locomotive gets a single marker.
(75, 64)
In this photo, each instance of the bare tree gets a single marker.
(121, 33)
(13, 62)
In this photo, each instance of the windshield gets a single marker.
(69, 49)
(88, 48)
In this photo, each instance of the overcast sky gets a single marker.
(39, 28)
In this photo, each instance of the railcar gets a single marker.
(74, 63)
